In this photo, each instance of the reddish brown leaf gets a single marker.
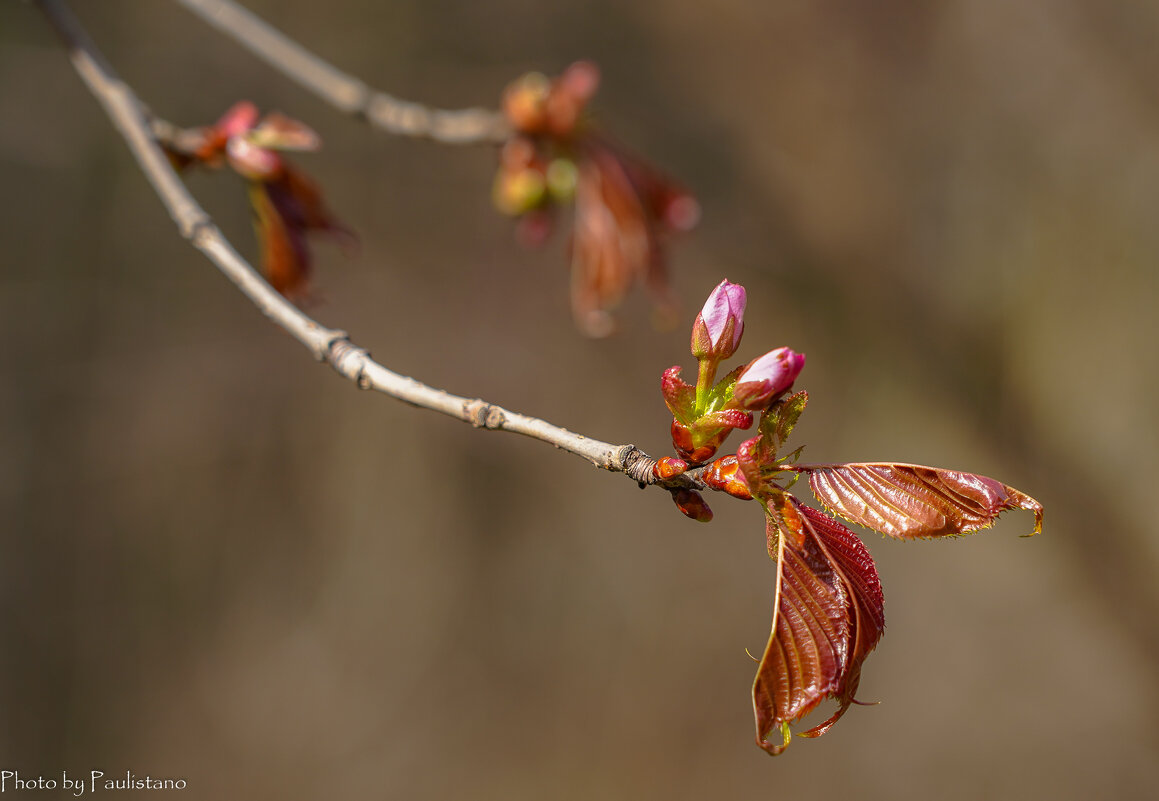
(909, 501)
(285, 259)
(670, 204)
(645, 206)
(828, 615)
(285, 209)
(612, 243)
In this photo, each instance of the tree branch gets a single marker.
(327, 344)
(345, 92)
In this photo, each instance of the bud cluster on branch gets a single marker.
(828, 608)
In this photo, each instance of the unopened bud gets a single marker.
(725, 474)
(519, 191)
(718, 327)
(562, 177)
(667, 467)
(689, 450)
(692, 504)
(766, 378)
(525, 102)
(569, 95)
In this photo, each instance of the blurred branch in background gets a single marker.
(345, 92)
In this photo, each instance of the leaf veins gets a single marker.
(828, 615)
(908, 501)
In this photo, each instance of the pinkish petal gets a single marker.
(240, 118)
(726, 302)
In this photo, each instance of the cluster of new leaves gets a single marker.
(828, 610)
(623, 207)
(286, 203)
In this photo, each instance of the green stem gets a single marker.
(704, 378)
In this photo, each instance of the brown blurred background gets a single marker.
(221, 562)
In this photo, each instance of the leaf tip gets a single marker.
(1030, 505)
(774, 749)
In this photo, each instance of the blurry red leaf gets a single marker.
(828, 614)
(670, 204)
(908, 501)
(610, 242)
(285, 209)
(616, 241)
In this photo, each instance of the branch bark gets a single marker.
(345, 92)
(329, 345)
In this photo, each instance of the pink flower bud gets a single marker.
(766, 378)
(719, 325)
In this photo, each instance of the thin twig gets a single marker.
(345, 92)
(327, 344)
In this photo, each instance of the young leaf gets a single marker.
(909, 501)
(679, 395)
(778, 421)
(285, 209)
(613, 243)
(828, 614)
